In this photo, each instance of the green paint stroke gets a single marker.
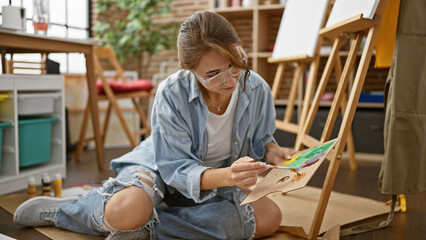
(309, 154)
(305, 157)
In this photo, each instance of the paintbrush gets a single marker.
(279, 167)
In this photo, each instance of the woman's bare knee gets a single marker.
(268, 217)
(128, 209)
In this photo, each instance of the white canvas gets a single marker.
(345, 9)
(298, 32)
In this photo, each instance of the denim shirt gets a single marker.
(178, 141)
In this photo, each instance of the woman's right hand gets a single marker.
(244, 171)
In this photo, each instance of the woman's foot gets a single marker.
(40, 211)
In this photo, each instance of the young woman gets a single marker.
(187, 180)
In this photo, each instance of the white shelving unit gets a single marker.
(12, 177)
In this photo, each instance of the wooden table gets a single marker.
(20, 42)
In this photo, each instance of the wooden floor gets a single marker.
(362, 182)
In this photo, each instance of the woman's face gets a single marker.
(216, 73)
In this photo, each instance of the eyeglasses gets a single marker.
(221, 77)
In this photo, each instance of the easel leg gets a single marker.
(293, 92)
(326, 192)
(313, 71)
(307, 125)
(277, 80)
(350, 141)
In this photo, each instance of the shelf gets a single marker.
(277, 8)
(371, 105)
(264, 54)
(231, 12)
(40, 169)
(248, 10)
(12, 176)
(283, 102)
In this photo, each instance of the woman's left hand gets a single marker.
(276, 154)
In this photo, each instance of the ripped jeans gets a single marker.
(220, 217)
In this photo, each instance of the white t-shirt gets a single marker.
(219, 134)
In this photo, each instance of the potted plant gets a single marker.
(132, 32)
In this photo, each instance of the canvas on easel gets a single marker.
(350, 25)
(298, 43)
(298, 32)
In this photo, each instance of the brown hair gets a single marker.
(206, 31)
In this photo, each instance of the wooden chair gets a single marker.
(111, 90)
(26, 67)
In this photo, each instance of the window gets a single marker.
(68, 18)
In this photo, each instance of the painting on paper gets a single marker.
(295, 172)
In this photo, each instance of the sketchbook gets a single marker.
(297, 173)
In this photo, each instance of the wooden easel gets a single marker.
(356, 26)
(295, 24)
(301, 62)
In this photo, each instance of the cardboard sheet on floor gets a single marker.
(297, 209)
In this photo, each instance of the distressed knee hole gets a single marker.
(146, 178)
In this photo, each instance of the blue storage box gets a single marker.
(2, 125)
(35, 140)
(372, 97)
